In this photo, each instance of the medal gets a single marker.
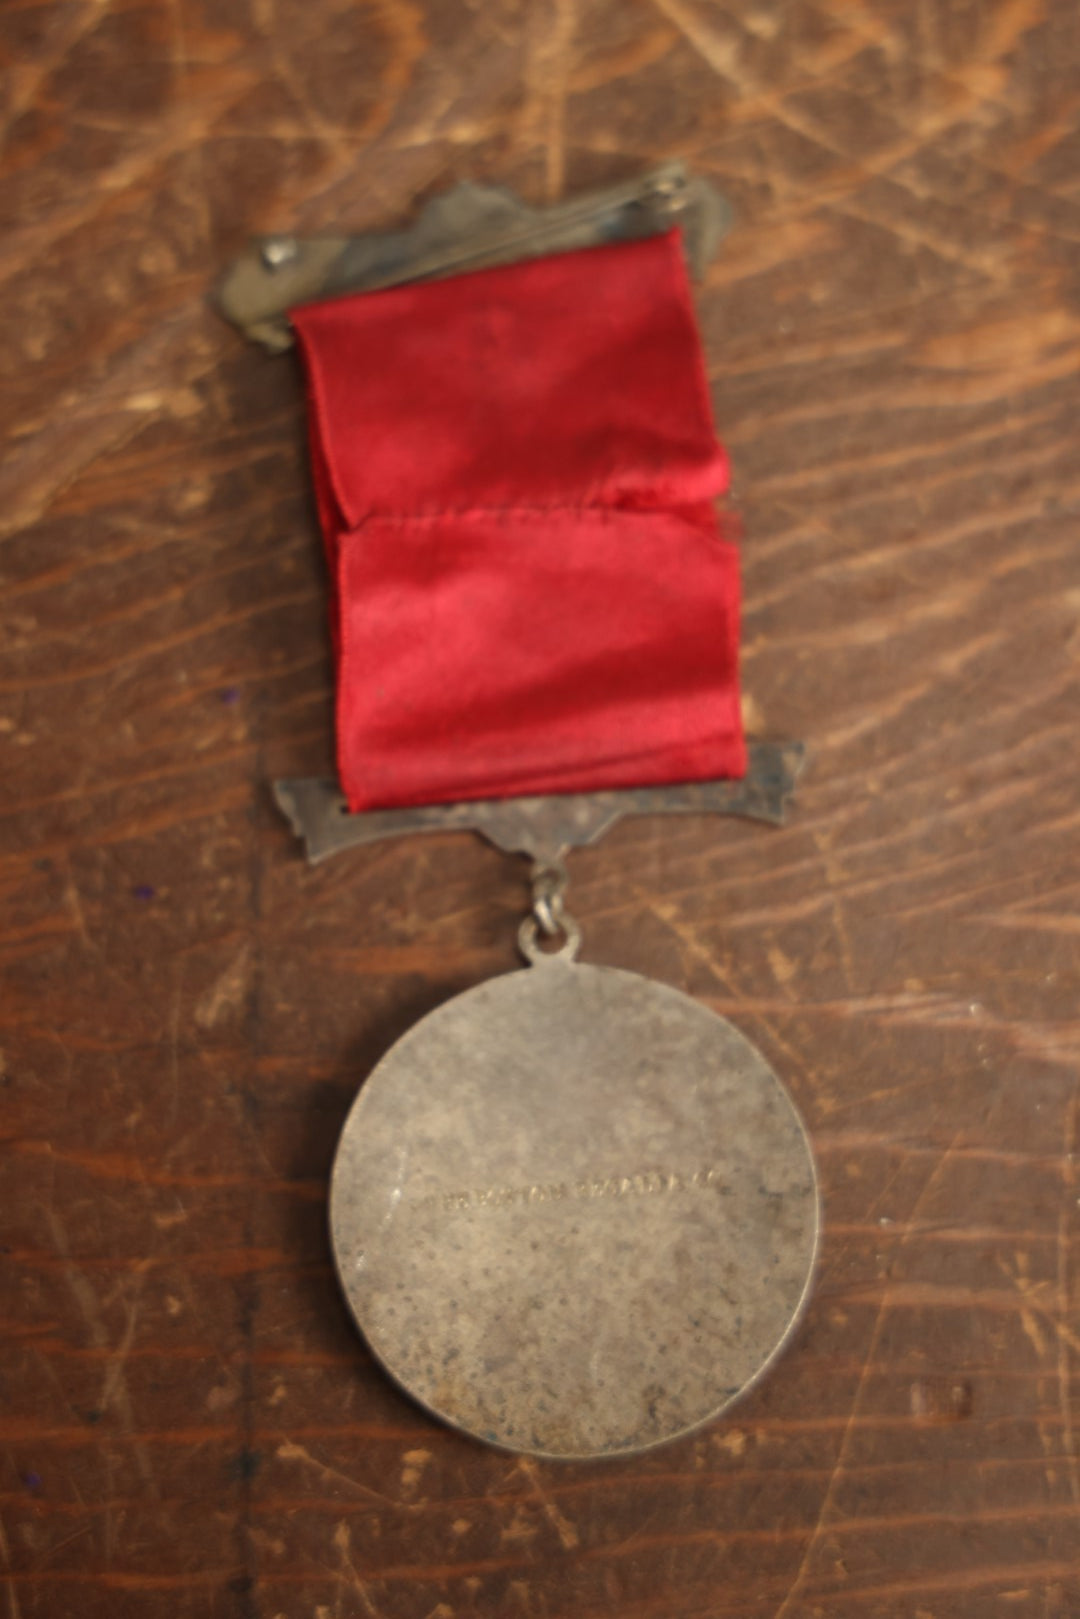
(573, 1211)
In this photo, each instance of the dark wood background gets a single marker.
(190, 1426)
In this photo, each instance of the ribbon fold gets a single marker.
(530, 593)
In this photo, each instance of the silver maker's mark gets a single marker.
(653, 1183)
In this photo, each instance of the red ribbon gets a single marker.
(514, 471)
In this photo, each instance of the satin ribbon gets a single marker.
(514, 471)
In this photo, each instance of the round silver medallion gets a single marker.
(574, 1212)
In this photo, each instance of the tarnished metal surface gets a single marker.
(574, 1212)
(540, 827)
(472, 227)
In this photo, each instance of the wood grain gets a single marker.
(189, 1426)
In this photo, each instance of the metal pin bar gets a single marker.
(468, 228)
(542, 828)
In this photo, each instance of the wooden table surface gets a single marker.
(190, 1425)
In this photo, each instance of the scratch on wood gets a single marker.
(1066, 1216)
(413, 1464)
(291, 1452)
(565, 1530)
(115, 1390)
(227, 993)
(14, 1610)
(175, 1010)
(821, 1527)
(543, 115)
(720, 52)
(113, 1387)
(342, 1542)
